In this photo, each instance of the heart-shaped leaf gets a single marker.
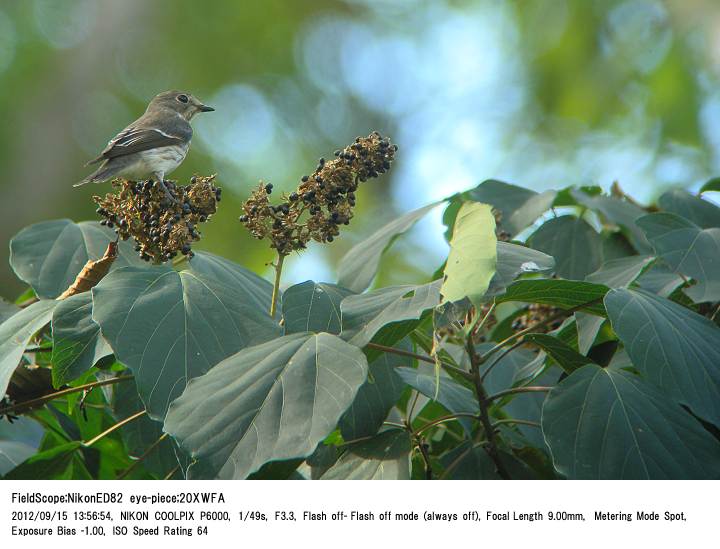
(620, 273)
(313, 307)
(77, 343)
(170, 326)
(674, 348)
(359, 265)
(702, 213)
(15, 334)
(365, 315)
(603, 423)
(687, 249)
(49, 255)
(471, 263)
(271, 402)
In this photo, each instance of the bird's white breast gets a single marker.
(160, 160)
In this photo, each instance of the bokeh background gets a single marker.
(540, 93)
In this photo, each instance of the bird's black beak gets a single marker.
(205, 108)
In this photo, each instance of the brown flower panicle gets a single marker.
(162, 224)
(323, 200)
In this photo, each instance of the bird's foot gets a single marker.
(169, 196)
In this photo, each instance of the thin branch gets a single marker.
(142, 458)
(114, 428)
(498, 359)
(534, 327)
(516, 422)
(445, 419)
(52, 396)
(423, 358)
(515, 391)
(276, 285)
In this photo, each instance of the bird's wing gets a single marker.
(144, 135)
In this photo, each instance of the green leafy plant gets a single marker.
(570, 334)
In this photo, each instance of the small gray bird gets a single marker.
(152, 146)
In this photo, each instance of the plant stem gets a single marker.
(52, 396)
(114, 428)
(516, 390)
(484, 417)
(498, 359)
(426, 457)
(145, 454)
(276, 285)
(171, 473)
(516, 422)
(423, 358)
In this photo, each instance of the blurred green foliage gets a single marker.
(540, 93)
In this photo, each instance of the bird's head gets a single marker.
(183, 103)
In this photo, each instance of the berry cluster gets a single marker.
(162, 219)
(323, 201)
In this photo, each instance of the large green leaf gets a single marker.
(270, 402)
(384, 457)
(377, 396)
(139, 435)
(365, 315)
(514, 260)
(687, 249)
(711, 185)
(469, 461)
(702, 213)
(7, 310)
(359, 265)
(453, 396)
(675, 348)
(15, 334)
(313, 307)
(565, 294)
(609, 424)
(567, 357)
(473, 253)
(620, 273)
(518, 207)
(18, 441)
(49, 255)
(77, 343)
(257, 292)
(169, 326)
(619, 212)
(55, 463)
(575, 245)
(660, 280)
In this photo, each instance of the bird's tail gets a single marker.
(103, 173)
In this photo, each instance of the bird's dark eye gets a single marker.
(182, 98)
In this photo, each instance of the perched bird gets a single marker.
(152, 146)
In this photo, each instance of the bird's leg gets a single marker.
(160, 178)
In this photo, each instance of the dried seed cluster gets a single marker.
(323, 201)
(162, 223)
(534, 313)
